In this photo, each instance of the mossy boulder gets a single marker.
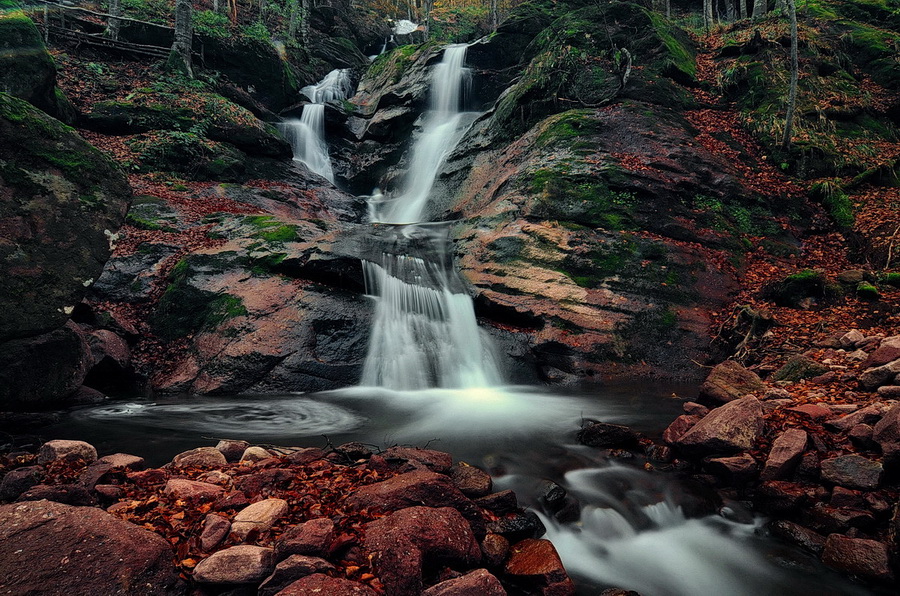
(190, 154)
(802, 289)
(798, 368)
(27, 70)
(60, 200)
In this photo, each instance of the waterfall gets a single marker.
(425, 333)
(307, 135)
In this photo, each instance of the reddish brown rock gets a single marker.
(679, 426)
(181, 488)
(729, 381)
(780, 497)
(201, 456)
(797, 534)
(123, 461)
(402, 542)
(305, 456)
(19, 480)
(889, 391)
(852, 471)
(814, 412)
(887, 434)
(470, 480)
(867, 415)
(786, 452)
(692, 408)
(290, 570)
(312, 538)
(81, 550)
(494, 549)
(875, 377)
(499, 503)
(254, 454)
(326, 586)
(231, 449)
(61, 449)
(70, 494)
(479, 582)
(215, 529)
(887, 351)
(259, 516)
(602, 434)
(264, 481)
(536, 564)
(866, 558)
(420, 487)
(727, 429)
(862, 435)
(733, 471)
(436, 461)
(241, 564)
(845, 498)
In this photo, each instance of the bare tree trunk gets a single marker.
(781, 6)
(742, 9)
(304, 22)
(795, 75)
(427, 5)
(180, 56)
(730, 14)
(707, 15)
(294, 19)
(495, 16)
(759, 9)
(113, 25)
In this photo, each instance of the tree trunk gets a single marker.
(112, 27)
(495, 17)
(759, 9)
(742, 8)
(304, 22)
(294, 19)
(658, 5)
(730, 14)
(795, 76)
(180, 56)
(707, 15)
(781, 6)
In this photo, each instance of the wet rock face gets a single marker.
(727, 429)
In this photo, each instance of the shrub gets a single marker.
(211, 23)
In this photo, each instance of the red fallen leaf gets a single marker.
(189, 563)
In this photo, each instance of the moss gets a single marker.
(566, 126)
(795, 288)
(270, 229)
(147, 224)
(891, 279)
(798, 368)
(867, 291)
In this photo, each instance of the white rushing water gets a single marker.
(307, 134)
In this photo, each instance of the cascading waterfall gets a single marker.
(424, 333)
(307, 135)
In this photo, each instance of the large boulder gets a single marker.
(51, 548)
(730, 428)
(729, 381)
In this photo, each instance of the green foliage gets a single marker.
(155, 11)
(211, 23)
(835, 200)
(459, 24)
(891, 279)
(566, 126)
(867, 291)
(257, 31)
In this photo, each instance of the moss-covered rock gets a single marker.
(60, 199)
(190, 154)
(26, 69)
(798, 368)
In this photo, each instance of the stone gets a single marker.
(109, 492)
(889, 391)
(730, 428)
(518, 526)
(733, 471)
(352, 452)
(729, 381)
(479, 582)
(402, 542)
(844, 498)
(601, 434)
(232, 449)
(264, 481)
(312, 538)
(796, 534)
(499, 503)
(70, 494)
(827, 519)
(123, 461)
(787, 450)
(535, 562)
(471, 481)
(869, 559)
(81, 550)
(779, 497)
(494, 550)
(242, 564)
(814, 412)
(60, 449)
(679, 426)
(887, 434)
(867, 415)
(851, 338)
(862, 435)
(852, 471)
(19, 480)
(887, 351)
(254, 454)
(798, 368)
(873, 378)
(319, 583)
(181, 488)
(305, 456)
(692, 408)
(290, 570)
(259, 516)
(436, 461)
(215, 529)
(551, 495)
(204, 457)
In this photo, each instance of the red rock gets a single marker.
(81, 550)
(326, 586)
(786, 452)
(402, 542)
(241, 564)
(692, 408)
(70, 494)
(436, 461)
(231, 449)
(727, 429)
(679, 426)
(215, 529)
(254, 454)
(736, 470)
(889, 391)
(872, 378)
(17, 481)
(305, 456)
(867, 415)
(861, 436)
(264, 482)
(536, 564)
(152, 476)
(852, 471)
(845, 498)
(201, 456)
(61, 449)
(729, 381)
(887, 435)
(494, 550)
(799, 535)
(292, 569)
(814, 412)
(887, 351)
(499, 503)
(181, 488)
(479, 582)
(471, 481)
(312, 538)
(123, 461)
(410, 489)
(602, 434)
(866, 558)
(780, 497)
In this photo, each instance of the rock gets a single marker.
(851, 338)
(264, 482)
(215, 529)
(254, 454)
(861, 436)
(242, 564)
(70, 494)
(867, 415)
(888, 351)
(601, 434)
(852, 471)
(889, 391)
(494, 550)
(729, 428)
(733, 471)
(312, 538)
(786, 452)
(62, 449)
(402, 542)
(499, 503)
(19, 480)
(798, 368)
(471, 481)
(551, 495)
(326, 586)
(305, 456)
(259, 516)
(232, 449)
(827, 519)
(729, 381)
(352, 452)
(123, 461)
(692, 408)
(112, 357)
(518, 526)
(436, 461)
(782, 498)
(869, 559)
(887, 434)
(181, 488)
(81, 550)
(536, 564)
(873, 378)
(814, 412)
(679, 426)
(205, 457)
(797, 534)
(844, 498)
(290, 570)
(479, 582)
